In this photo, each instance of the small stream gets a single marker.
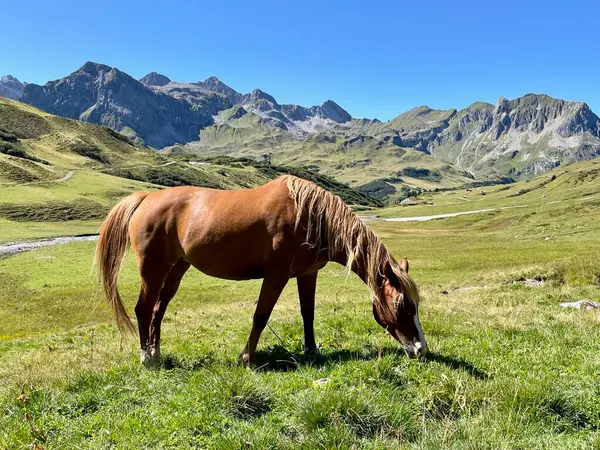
(12, 248)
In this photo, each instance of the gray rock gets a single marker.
(216, 85)
(581, 304)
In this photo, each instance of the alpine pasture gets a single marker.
(508, 367)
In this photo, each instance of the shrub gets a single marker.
(118, 135)
(7, 148)
(421, 173)
(379, 189)
(7, 136)
(89, 151)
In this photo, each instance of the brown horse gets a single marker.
(287, 228)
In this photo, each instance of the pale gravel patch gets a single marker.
(443, 216)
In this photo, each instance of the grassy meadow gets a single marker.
(509, 368)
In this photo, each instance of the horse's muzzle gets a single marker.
(415, 349)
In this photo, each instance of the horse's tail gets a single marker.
(110, 253)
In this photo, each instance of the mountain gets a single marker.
(294, 118)
(216, 85)
(421, 148)
(104, 95)
(162, 112)
(209, 102)
(10, 87)
(521, 137)
(356, 152)
(284, 116)
(525, 136)
(155, 79)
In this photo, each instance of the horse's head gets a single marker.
(397, 310)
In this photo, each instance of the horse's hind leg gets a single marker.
(168, 291)
(149, 294)
(307, 285)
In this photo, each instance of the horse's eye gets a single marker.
(398, 301)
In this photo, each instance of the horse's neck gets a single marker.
(360, 265)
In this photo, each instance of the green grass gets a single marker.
(11, 231)
(35, 210)
(509, 368)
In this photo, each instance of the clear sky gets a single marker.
(375, 58)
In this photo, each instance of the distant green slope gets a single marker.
(358, 157)
(562, 187)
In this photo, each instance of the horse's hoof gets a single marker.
(150, 358)
(245, 360)
(312, 352)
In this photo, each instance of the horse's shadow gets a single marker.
(278, 359)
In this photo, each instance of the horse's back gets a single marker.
(228, 234)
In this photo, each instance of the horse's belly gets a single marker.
(220, 262)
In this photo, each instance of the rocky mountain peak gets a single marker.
(216, 85)
(524, 136)
(502, 106)
(93, 68)
(260, 100)
(105, 95)
(260, 94)
(213, 80)
(8, 79)
(582, 120)
(155, 79)
(11, 87)
(331, 110)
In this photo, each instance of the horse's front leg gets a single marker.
(269, 294)
(307, 285)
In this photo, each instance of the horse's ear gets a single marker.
(404, 264)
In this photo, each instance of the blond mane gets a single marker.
(333, 227)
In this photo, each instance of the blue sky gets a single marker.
(375, 58)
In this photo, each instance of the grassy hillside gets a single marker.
(566, 186)
(509, 368)
(56, 170)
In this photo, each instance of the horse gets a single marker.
(286, 228)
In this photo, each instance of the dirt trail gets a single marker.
(12, 248)
(68, 175)
(442, 216)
